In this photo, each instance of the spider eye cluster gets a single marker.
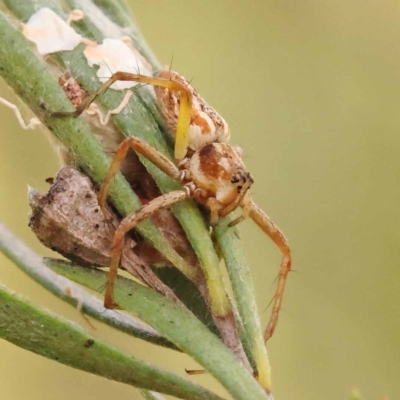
(242, 180)
(243, 177)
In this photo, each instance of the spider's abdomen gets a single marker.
(206, 125)
(217, 169)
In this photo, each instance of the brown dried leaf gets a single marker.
(69, 220)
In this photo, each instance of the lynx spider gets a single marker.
(210, 169)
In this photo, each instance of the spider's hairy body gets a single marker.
(206, 125)
(211, 170)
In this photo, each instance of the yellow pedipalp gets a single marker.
(185, 108)
(182, 130)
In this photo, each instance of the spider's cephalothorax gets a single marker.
(220, 178)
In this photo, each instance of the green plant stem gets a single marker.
(242, 285)
(179, 326)
(30, 263)
(45, 334)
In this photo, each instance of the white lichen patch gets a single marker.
(50, 33)
(114, 56)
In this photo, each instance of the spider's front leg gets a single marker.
(129, 223)
(185, 106)
(266, 224)
(142, 147)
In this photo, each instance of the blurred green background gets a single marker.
(311, 90)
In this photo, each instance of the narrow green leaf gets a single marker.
(177, 324)
(48, 335)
